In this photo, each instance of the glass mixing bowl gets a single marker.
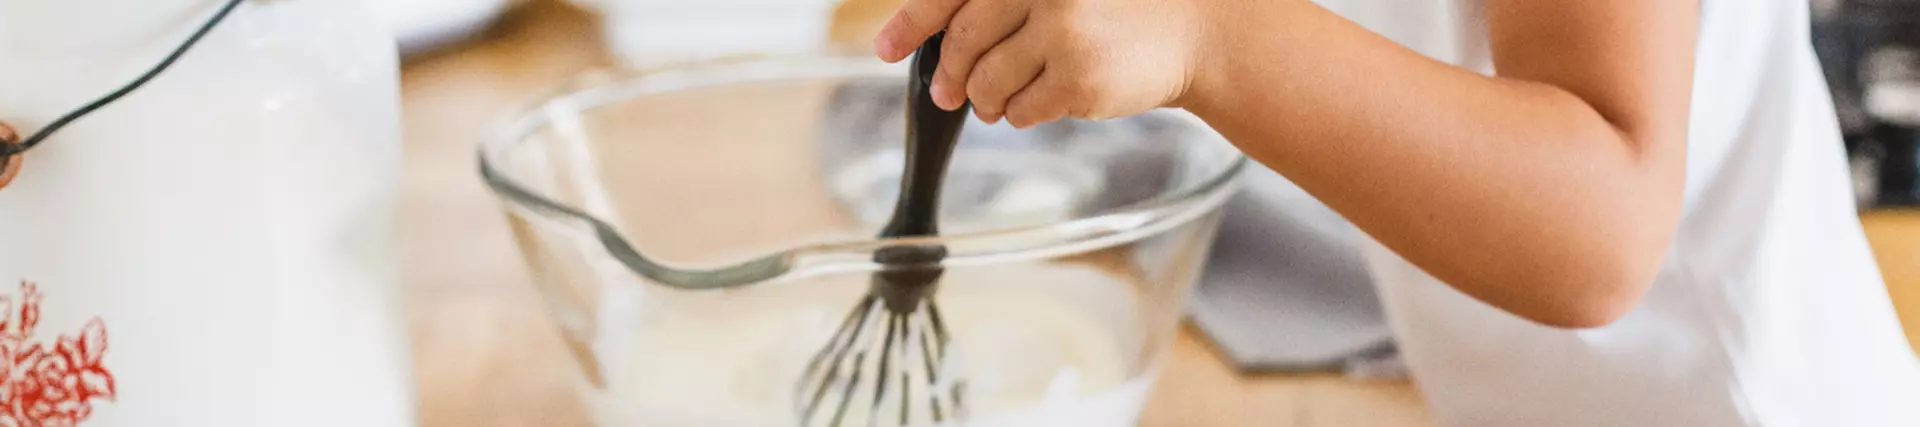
(702, 231)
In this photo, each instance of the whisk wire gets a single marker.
(906, 377)
(932, 360)
(842, 341)
(902, 362)
(859, 359)
(894, 323)
(937, 356)
(939, 327)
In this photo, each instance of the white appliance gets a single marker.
(215, 248)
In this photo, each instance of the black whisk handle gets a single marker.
(932, 134)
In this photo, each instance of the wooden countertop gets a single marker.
(487, 355)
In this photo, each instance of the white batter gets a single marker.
(1038, 345)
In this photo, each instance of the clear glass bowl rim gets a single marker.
(595, 90)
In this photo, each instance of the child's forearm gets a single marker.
(1523, 194)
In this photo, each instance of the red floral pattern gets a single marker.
(45, 385)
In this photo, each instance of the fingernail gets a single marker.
(955, 99)
(939, 95)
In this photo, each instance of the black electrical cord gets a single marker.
(41, 136)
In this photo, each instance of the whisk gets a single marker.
(863, 376)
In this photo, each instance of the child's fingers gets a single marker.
(1041, 102)
(976, 28)
(914, 23)
(1002, 72)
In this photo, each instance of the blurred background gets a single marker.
(487, 353)
(1871, 52)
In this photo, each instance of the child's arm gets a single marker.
(1551, 191)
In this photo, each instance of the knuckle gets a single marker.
(1083, 88)
(908, 18)
(1097, 64)
(961, 32)
(995, 107)
(992, 58)
(1081, 111)
(981, 100)
(1090, 80)
(958, 57)
(988, 108)
(1023, 120)
(1018, 107)
(982, 79)
(920, 17)
(953, 73)
(958, 42)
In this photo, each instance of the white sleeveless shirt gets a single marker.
(1769, 310)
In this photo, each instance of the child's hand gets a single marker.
(1036, 61)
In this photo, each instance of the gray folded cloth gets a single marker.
(1287, 290)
